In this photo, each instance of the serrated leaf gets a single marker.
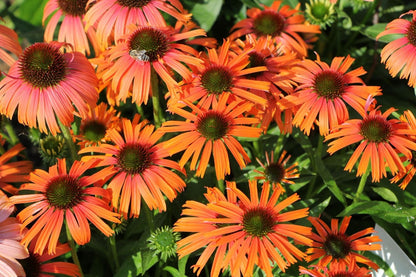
(206, 13)
(386, 194)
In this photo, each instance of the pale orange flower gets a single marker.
(9, 41)
(337, 270)
(243, 232)
(58, 195)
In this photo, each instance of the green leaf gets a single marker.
(318, 209)
(366, 207)
(30, 11)
(386, 194)
(206, 13)
(373, 31)
(138, 263)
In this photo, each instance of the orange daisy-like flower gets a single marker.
(112, 17)
(399, 55)
(138, 168)
(63, 195)
(46, 83)
(128, 65)
(9, 41)
(10, 235)
(276, 172)
(323, 91)
(223, 72)
(243, 231)
(381, 140)
(212, 129)
(334, 246)
(280, 22)
(337, 270)
(13, 172)
(94, 127)
(71, 29)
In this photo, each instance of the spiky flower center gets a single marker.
(259, 221)
(375, 129)
(274, 172)
(269, 23)
(94, 130)
(320, 10)
(133, 3)
(42, 65)
(342, 274)
(64, 192)
(217, 79)
(134, 158)
(337, 246)
(329, 84)
(411, 33)
(73, 7)
(148, 44)
(213, 125)
(256, 59)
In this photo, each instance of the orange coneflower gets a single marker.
(280, 22)
(381, 140)
(63, 195)
(13, 172)
(211, 129)
(337, 270)
(9, 41)
(334, 246)
(46, 83)
(138, 168)
(222, 72)
(112, 17)
(243, 231)
(276, 172)
(71, 29)
(10, 235)
(128, 66)
(399, 55)
(323, 91)
(94, 126)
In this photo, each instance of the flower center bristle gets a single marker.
(411, 33)
(42, 65)
(256, 59)
(213, 125)
(151, 43)
(94, 130)
(216, 79)
(269, 23)
(342, 274)
(73, 7)
(337, 246)
(320, 10)
(63, 192)
(258, 221)
(274, 172)
(134, 158)
(329, 84)
(133, 3)
(375, 129)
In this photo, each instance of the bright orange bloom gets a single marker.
(212, 129)
(128, 66)
(280, 22)
(46, 83)
(112, 17)
(275, 172)
(13, 172)
(399, 55)
(138, 168)
(10, 42)
(337, 270)
(10, 235)
(323, 91)
(243, 231)
(223, 72)
(63, 195)
(71, 29)
(334, 246)
(94, 126)
(381, 140)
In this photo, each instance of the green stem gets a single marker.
(361, 185)
(318, 155)
(68, 138)
(149, 217)
(72, 245)
(13, 139)
(221, 185)
(114, 251)
(141, 112)
(157, 110)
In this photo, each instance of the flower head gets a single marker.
(320, 12)
(243, 231)
(337, 270)
(137, 167)
(58, 195)
(334, 246)
(46, 83)
(163, 241)
(399, 55)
